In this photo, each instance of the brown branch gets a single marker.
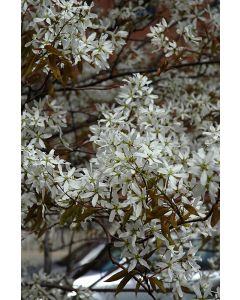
(141, 71)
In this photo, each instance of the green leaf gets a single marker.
(159, 243)
(117, 276)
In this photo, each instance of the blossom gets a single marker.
(171, 263)
(139, 201)
(202, 165)
(213, 134)
(150, 151)
(116, 207)
(202, 288)
(136, 258)
(173, 48)
(65, 179)
(173, 172)
(78, 39)
(158, 28)
(188, 34)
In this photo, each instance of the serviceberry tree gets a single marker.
(120, 131)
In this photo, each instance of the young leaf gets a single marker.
(29, 65)
(123, 282)
(87, 212)
(117, 276)
(215, 215)
(191, 209)
(31, 213)
(127, 215)
(53, 50)
(54, 68)
(42, 230)
(38, 220)
(160, 284)
(41, 64)
(152, 282)
(68, 213)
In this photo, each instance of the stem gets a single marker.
(47, 253)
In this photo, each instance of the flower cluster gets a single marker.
(73, 30)
(41, 121)
(37, 288)
(145, 169)
(170, 47)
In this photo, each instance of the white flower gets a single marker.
(118, 38)
(188, 34)
(102, 51)
(116, 207)
(171, 263)
(139, 201)
(136, 258)
(172, 48)
(213, 134)
(173, 173)
(38, 137)
(151, 152)
(158, 28)
(66, 179)
(71, 28)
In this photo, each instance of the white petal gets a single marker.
(132, 265)
(136, 189)
(203, 178)
(94, 200)
(87, 195)
(112, 215)
(138, 209)
(164, 22)
(144, 263)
